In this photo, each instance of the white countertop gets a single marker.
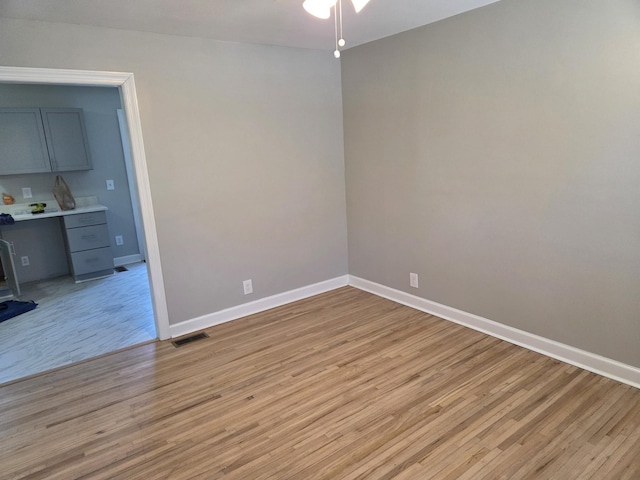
(22, 211)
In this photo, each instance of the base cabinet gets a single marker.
(12, 287)
(88, 245)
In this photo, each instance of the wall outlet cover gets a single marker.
(248, 287)
(110, 185)
(413, 280)
(25, 261)
(119, 240)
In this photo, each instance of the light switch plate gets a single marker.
(110, 185)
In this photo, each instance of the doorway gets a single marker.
(125, 83)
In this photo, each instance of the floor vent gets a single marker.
(191, 339)
(121, 269)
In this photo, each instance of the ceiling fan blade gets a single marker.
(319, 8)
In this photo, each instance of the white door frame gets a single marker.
(133, 188)
(123, 81)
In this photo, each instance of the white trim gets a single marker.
(257, 306)
(124, 81)
(131, 181)
(127, 260)
(156, 279)
(62, 76)
(606, 367)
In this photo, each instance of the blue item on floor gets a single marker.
(6, 219)
(12, 308)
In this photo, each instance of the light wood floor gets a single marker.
(344, 385)
(76, 321)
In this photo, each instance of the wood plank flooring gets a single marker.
(344, 385)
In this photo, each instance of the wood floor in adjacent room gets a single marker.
(344, 385)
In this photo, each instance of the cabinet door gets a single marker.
(66, 139)
(9, 268)
(23, 148)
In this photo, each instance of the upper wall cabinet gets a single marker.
(66, 139)
(35, 140)
(23, 148)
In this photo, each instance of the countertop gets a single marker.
(22, 211)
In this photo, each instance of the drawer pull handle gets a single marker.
(91, 219)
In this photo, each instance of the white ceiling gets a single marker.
(271, 22)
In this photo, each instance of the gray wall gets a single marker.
(244, 150)
(103, 133)
(494, 153)
(497, 155)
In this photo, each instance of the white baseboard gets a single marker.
(233, 313)
(580, 358)
(127, 259)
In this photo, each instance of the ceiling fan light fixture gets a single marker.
(319, 8)
(359, 4)
(322, 9)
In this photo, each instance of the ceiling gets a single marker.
(271, 22)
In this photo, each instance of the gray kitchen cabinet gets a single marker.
(66, 136)
(35, 140)
(88, 245)
(23, 147)
(6, 257)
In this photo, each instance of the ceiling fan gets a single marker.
(322, 9)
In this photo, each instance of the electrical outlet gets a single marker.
(119, 240)
(110, 185)
(413, 280)
(248, 287)
(25, 261)
(26, 192)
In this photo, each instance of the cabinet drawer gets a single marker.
(87, 238)
(84, 219)
(92, 261)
